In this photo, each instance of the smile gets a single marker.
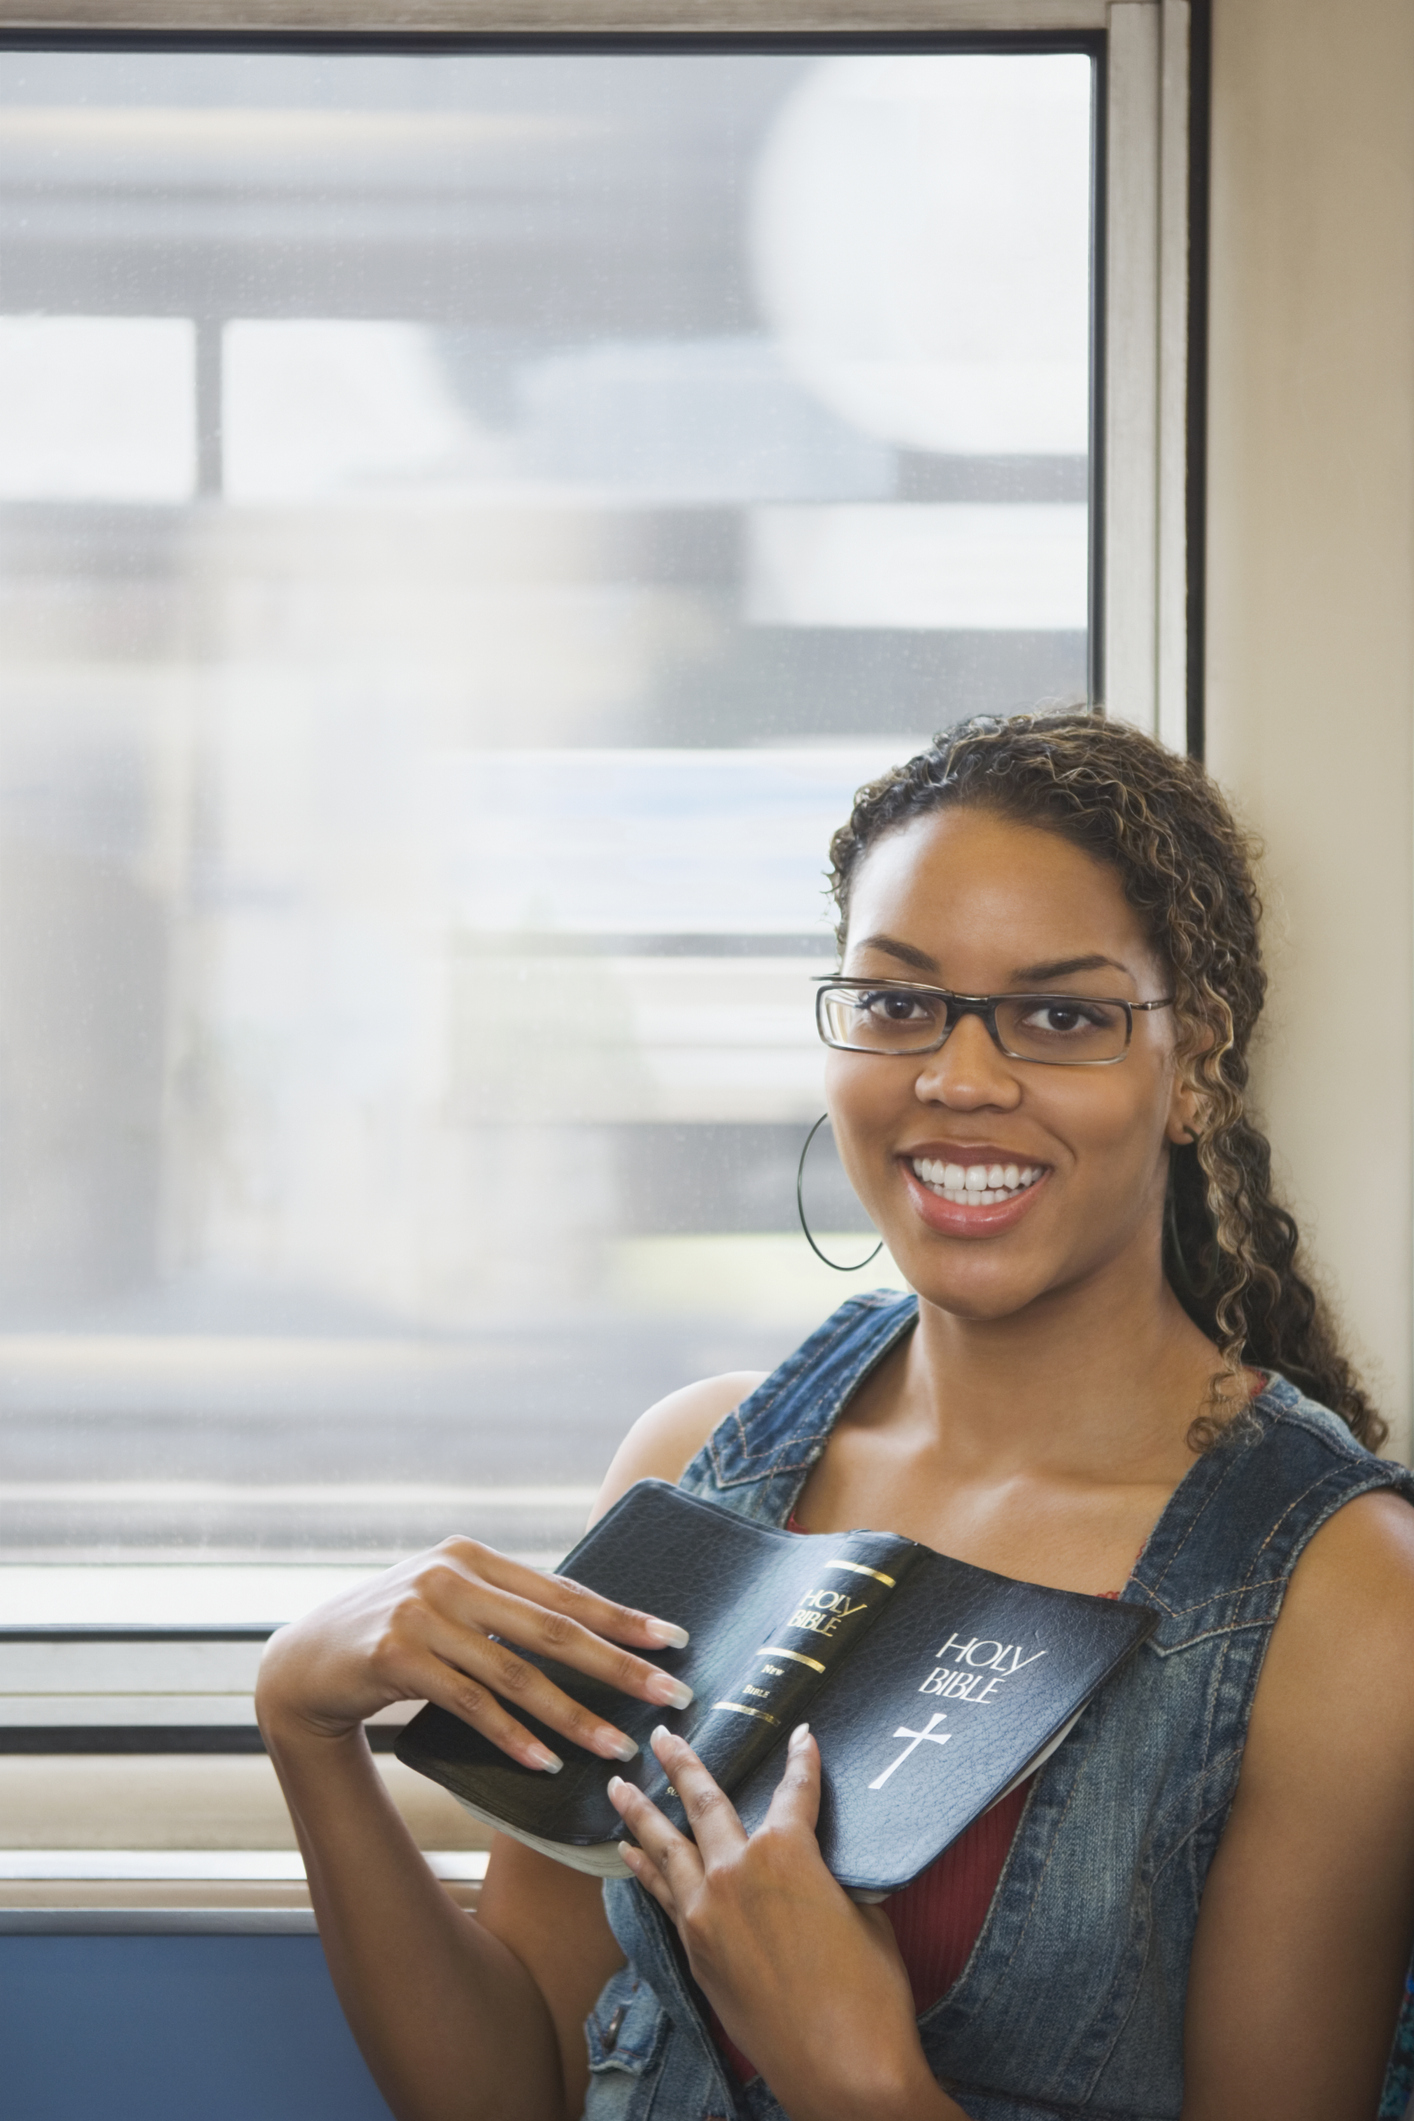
(975, 1185)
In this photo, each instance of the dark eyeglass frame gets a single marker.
(983, 1005)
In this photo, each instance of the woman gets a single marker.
(1111, 1380)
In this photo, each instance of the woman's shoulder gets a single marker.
(1354, 1575)
(1307, 1461)
(1288, 1406)
(665, 1439)
(663, 1442)
(1339, 1652)
(1254, 1503)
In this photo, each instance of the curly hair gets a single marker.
(1187, 868)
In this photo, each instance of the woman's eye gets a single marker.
(1057, 1019)
(893, 1008)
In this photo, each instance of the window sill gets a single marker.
(76, 1880)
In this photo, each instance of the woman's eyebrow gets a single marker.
(905, 952)
(1058, 968)
(1063, 966)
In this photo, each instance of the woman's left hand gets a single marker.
(808, 1984)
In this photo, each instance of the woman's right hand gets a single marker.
(422, 1632)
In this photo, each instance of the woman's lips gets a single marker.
(959, 1219)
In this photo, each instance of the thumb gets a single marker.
(796, 1803)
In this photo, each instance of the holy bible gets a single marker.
(932, 1687)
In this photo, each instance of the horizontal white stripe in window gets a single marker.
(951, 565)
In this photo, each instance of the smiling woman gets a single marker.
(1110, 1354)
(965, 881)
(1192, 925)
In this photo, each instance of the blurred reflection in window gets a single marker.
(469, 523)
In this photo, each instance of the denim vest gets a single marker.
(1072, 2000)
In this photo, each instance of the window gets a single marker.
(471, 520)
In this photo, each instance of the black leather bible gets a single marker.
(932, 1687)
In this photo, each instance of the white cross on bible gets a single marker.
(929, 1731)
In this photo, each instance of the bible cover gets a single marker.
(931, 1686)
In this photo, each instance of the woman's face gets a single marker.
(973, 902)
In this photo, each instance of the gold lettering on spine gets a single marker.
(739, 1708)
(796, 1656)
(857, 1568)
(821, 1611)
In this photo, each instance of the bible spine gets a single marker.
(839, 1600)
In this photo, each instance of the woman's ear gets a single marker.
(1185, 1113)
(1187, 1103)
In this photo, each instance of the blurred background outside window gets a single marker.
(469, 523)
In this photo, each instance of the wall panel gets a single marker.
(1311, 603)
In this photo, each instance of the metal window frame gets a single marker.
(1149, 619)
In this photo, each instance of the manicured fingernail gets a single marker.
(670, 1693)
(660, 1730)
(540, 1756)
(615, 1784)
(798, 1736)
(666, 1635)
(613, 1744)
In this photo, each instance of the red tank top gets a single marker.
(938, 1918)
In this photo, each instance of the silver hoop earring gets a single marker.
(800, 1209)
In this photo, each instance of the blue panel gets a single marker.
(154, 2028)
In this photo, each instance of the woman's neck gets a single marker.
(1043, 1445)
(1097, 1381)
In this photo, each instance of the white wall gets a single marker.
(1311, 605)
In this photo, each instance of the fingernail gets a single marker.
(615, 1784)
(666, 1635)
(660, 1730)
(798, 1736)
(613, 1744)
(669, 1692)
(540, 1756)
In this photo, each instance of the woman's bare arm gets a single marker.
(550, 1917)
(1304, 1933)
(451, 2025)
(459, 2020)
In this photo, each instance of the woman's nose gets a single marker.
(968, 1070)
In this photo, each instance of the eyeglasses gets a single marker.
(1058, 1030)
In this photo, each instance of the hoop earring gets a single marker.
(800, 1209)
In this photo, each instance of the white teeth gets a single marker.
(979, 1185)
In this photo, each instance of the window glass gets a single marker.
(469, 524)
